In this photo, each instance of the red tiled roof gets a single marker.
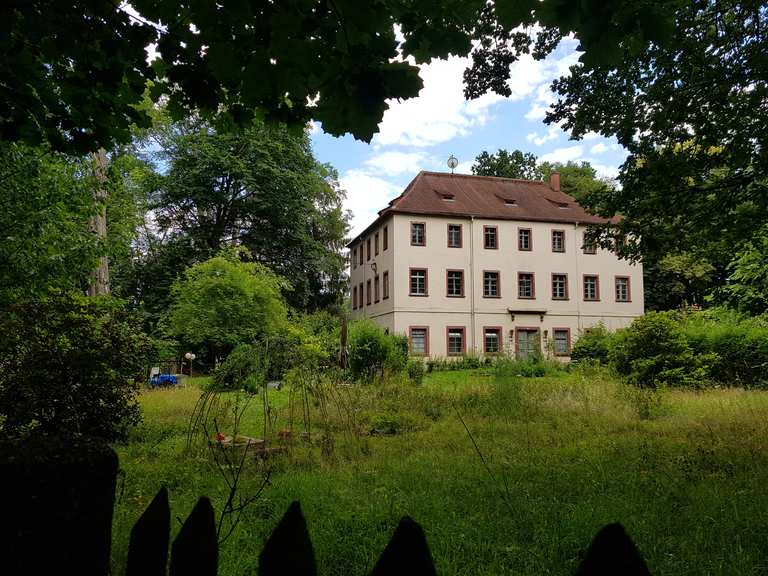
(443, 194)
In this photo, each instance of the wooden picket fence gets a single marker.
(56, 518)
(289, 550)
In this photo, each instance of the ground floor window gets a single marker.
(419, 339)
(492, 340)
(455, 341)
(561, 339)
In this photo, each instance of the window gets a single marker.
(559, 287)
(591, 288)
(524, 240)
(354, 298)
(454, 235)
(561, 341)
(385, 239)
(368, 292)
(455, 340)
(368, 249)
(354, 258)
(622, 289)
(385, 286)
(360, 291)
(455, 283)
(361, 255)
(491, 284)
(558, 240)
(588, 246)
(376, 285)
(490, 237)
(376, 243)
(419, 340)
(418, 282)
(525, 285)
(492, 340)
(418, 234)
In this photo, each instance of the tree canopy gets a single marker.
(223, 302)
(46, 200)
(260, 188)
(577, 179)
(75, 74)
(515, 164)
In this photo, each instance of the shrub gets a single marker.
(592, 344)
(737, 345)
(466, 362)
(416, 370)
(244, 369)
(71, 365)
(653, 351)
(372, 350)
(507, 366)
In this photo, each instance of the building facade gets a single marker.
(473, 264)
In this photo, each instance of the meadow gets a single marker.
(562, 455)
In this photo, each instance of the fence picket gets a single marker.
(289, 552)
(611, 552)
(148, 546)
(407, 552)
(195, 550)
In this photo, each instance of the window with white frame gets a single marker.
(455, 341)
(491, 284)
(418, 282)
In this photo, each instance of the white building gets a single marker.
(475, 264)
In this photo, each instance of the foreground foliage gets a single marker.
(681, 470)
(70, 365)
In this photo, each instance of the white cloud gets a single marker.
(598, 148)
(464, 167)
(366, 195)
(439, 113)
(395, 163)
(563, 154)
(537, 112)
(590, 136)
(552, 133)
(605, 171)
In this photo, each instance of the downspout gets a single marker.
(472, 281)
(579, 279)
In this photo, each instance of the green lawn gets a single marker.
(685, 472)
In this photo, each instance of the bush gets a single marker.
(244, 369)
(738, 346)
(507, 366)
(592, 344)
(372, 351)
(653, 352)
(70, 366)
(466, 362)
(416, 370)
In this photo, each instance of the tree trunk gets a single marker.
(100, 277)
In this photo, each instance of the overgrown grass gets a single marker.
(683, 471)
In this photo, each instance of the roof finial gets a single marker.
(452, 162)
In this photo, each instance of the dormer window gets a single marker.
(510, 202)
(448, 197)
(561, 205)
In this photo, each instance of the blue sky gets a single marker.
(420, 133)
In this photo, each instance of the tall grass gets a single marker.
(568, 452)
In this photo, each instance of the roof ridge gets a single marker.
(478, 176)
